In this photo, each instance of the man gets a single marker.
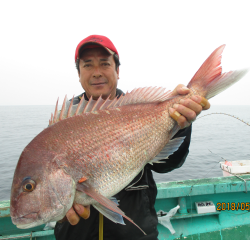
(97, 62)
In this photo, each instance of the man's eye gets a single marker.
(87, 65)
(105, 64)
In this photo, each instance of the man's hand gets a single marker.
(77, 211)
(188, 109)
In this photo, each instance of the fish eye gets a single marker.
(29, 185)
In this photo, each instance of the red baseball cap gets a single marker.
(95, 40)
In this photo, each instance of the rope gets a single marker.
(227, 115)
(100, 226)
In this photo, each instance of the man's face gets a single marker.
(98, 75)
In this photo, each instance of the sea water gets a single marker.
(214, 138)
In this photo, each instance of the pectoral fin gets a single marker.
(111, 215)
(107, 207)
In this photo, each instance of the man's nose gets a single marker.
(97, 73)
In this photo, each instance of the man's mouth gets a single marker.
(98, 83)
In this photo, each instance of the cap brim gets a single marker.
(88, 44)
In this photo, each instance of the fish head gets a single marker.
(41, 191)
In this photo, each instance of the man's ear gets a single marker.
(118, 73)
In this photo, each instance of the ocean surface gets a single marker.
(214, 138)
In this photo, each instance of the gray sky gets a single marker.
(160, 43)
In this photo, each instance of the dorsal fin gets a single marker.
(79, 106)
(136, 96)
(70, 108)
(63, 109)
(56, 111)
(89, 105)
(97, 104)
(119, 101)
(112, 103)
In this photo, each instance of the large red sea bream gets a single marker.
(92, 151)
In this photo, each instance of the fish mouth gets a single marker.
(27, 216)
(26, 221)
(30, 215)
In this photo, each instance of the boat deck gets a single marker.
(224, 192)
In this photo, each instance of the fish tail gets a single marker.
(209, 80)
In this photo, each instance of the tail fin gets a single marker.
(209, 80)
